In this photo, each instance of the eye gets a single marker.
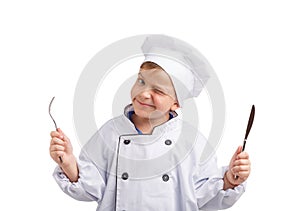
(158, 91)
(141, 81)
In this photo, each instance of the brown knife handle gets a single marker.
(244, 145)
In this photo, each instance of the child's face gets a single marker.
(153, 94)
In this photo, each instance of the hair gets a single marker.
(148, 65)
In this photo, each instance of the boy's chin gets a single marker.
(154, 115)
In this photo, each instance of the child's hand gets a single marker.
(239, 169)
(60, 148)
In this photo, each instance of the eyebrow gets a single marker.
(140, 74)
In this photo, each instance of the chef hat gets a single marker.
(188, 69)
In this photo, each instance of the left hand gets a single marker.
(239, 168)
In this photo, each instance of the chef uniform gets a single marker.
(122, 169)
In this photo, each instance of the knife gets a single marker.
(250, 122)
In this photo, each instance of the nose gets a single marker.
(146, 93)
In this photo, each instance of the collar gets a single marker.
(130, 112)
(170, 125)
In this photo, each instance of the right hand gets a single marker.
(61, 147)
(240, 166)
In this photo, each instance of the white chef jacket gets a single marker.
(123, 170)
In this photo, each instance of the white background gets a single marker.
(254, 47)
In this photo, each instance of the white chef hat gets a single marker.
(186, 66)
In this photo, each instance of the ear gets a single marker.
(174, 106)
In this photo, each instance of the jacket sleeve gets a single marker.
(90, 185)
(208, 182)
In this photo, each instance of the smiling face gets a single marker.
(153, 95)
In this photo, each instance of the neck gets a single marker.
(146, 125)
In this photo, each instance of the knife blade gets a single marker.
(250, 122)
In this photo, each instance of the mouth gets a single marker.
(144, 104)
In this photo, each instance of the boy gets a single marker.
(148, 158)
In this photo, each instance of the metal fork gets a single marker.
(56, 128)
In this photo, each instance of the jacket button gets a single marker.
(165, 177)
(126, 141)
(168, 142)
(125, 176)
